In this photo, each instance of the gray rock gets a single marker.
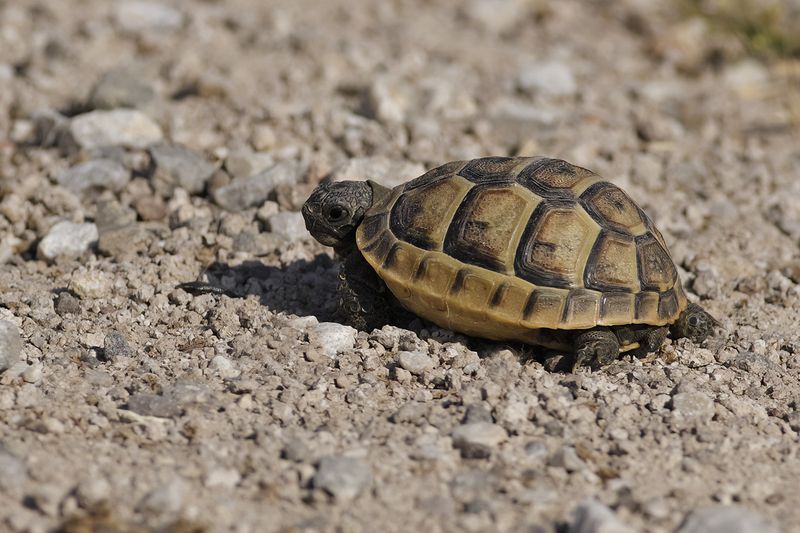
(548, 77)
(93, 491)
(13, 474)
(136, 16)
(477, 440)
(168, 499)
(98, 174)
(244, 163)
(118, 127)
(67, 239)
(112, 215)
(115, 345)
(154, 405)
(177, 166)
(415, 362)
(567, 458)
(288, 225)
(477, 413)
(387, 172)
(332, 338)
(10, 345)
(592, 516)
(344, 478)
(121, 88)
(296, 450)
(243, 193)
(67, 303)
(726, 519)
(693, 405)
(51, 128)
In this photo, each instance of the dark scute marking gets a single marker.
(380, 247)
(522, 267)
(530, 305)
(371, 226)
(589, 278)
(654, 264)
(435, 174)
(489, 169)
(458, 282)
(403, 214)
(540, 177)
(422, 269)
(497, 297)
(454, 244)
(667, 305)
(391, 257)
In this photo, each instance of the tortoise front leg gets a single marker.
(364, 299)
(596, 347)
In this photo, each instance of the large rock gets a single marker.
(121, 88)
(178, 166)
(387, 172)
(93, 175)
(120, 127)
(67, 239)
(726, 519)
(344, 478)
(10, 345)
(243, 193)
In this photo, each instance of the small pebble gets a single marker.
(95, 175)
(146, 404)
(549, 78)
(344, 478)
(33, 373)
(121, 88)
(477, 440)
(115, 345)
(178, 166)
(119, 127)
(166, 499)
(415, 362)
(91, 283)
(224, 367)
(693, 405)
(67, 239)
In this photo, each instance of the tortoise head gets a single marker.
(334, 211)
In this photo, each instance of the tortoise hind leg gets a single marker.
(650, 340)
(595, 347)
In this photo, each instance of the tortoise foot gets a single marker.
(595, 348)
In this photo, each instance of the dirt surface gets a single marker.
(143, 145)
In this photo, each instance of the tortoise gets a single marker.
(529, 249)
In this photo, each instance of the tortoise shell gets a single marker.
(500, 247)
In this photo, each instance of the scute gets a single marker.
(504, 247)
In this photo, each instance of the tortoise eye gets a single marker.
(336, 213)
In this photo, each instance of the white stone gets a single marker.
(139, 16)
(415, 362)
(289, 225)
(477, 440)
(726, 519)
(332, 338)
(92, 284)
(118, 127)
(224, 367)
(67, 239)
(10, 345)
(387, 172)
(548, 77)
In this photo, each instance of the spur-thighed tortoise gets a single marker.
(528, 249)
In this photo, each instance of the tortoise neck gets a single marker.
(379, 193)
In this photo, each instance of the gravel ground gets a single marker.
(146, 144)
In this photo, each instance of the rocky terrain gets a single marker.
(148, 144)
